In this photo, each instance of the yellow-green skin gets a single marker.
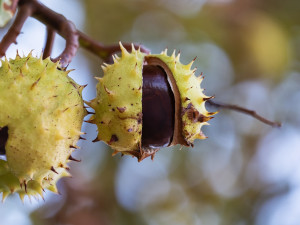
(118, 104)
(43, 110)
(121, 87)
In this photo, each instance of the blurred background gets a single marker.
(244, 173)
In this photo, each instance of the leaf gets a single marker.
(7, 11)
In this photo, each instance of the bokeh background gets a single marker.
(244, 173)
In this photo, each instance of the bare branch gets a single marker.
(49, 42)
(245, 111)
(58, 23)
(104, 51)
(63, 27)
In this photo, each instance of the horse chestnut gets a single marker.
(147, 101)
(40, 121)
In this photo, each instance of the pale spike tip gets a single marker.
(132, 48)
(123, 49)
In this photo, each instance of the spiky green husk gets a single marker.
(120, 88)
(118, 104)
(194, 114)
(43, 110)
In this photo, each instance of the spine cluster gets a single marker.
(118, 104)
(43, 111)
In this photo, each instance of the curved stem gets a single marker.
(245, 111)
(11, 36)
(49, 42)
(58, 23)
(63, 27)
(104, 51)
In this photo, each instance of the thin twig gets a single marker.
(60, 24)
(49, 42)
(50, 18)
(63, 27)
(245, 111)
(105, 51)
(11, 36)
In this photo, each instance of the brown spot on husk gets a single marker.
(194, 115)
(142, 153)
(52, 169)
(114, 138)
(73, 84)
(139, 118)
(107, 91)
(121, 109)
(35, 83)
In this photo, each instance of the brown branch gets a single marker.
(50, 18)
(58, 23)
(63, 27)
(105, 51)
(245, 111)
(49, 42)
(11, 36)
